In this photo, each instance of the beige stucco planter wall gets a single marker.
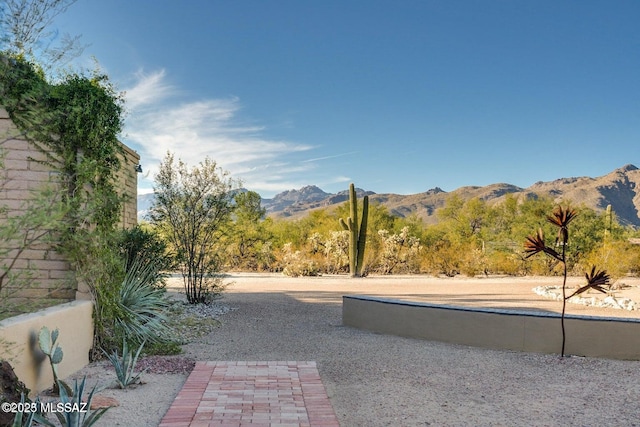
(18, 342)
(614, 338)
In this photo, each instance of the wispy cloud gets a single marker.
(149, 88)
(317, 159)
(193, 130)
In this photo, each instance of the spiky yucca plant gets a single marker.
(143, 304)
(561, 217)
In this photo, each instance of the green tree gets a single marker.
(248, 238)
(25, 31)
(192, 208)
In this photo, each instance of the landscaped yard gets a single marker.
(379, 380)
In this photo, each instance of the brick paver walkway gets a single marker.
(255, 394)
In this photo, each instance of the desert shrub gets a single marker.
(334, 248)
(399, 252)
(506, 262)
(143, 304)
(265, 258)
(125, 365)
(295, 263)
(618, 258)
(193, 208)
(442, 257)
(336, 251)
(474, 262)
(128, 302)
(144, 244)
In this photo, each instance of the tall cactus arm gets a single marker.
(362, 236)
(353, 208)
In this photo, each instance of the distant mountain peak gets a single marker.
(620, 188)
(627, 168)
(435, 190)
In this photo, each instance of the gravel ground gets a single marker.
(381, 380)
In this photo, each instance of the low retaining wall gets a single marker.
(19, 342)
(525, 331)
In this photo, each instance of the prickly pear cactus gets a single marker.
(48, 344)
(358, 232)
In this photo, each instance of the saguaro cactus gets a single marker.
(358, 232)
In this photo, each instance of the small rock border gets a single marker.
(610, 301)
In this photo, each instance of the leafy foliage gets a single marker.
(247, 237)
(192, 209)
(24, 31)
(470, 238)
(74, 124)
(128, 301)
(140, 243)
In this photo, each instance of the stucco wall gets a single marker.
(18, 342)
(614, 338)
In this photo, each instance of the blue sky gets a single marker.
(396, 96)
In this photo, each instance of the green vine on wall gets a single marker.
(74, 123)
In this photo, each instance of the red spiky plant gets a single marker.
(596, 279)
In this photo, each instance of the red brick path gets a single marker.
(255, 394)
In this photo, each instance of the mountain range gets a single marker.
(619, 188)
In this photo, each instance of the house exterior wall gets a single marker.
(128, 185)
(49, 272)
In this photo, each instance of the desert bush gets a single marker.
(335, 249)
(193, 208)
(441, 257)
(399, 252)
(143, 304)
(617, 257)
(265, 258)
(140, 243)
(506, 262)
(474, 262)
(295, 263)
(128, 302)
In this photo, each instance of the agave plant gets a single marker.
(79, 413)
(561, 217)
(125, 366)
(31, 418)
